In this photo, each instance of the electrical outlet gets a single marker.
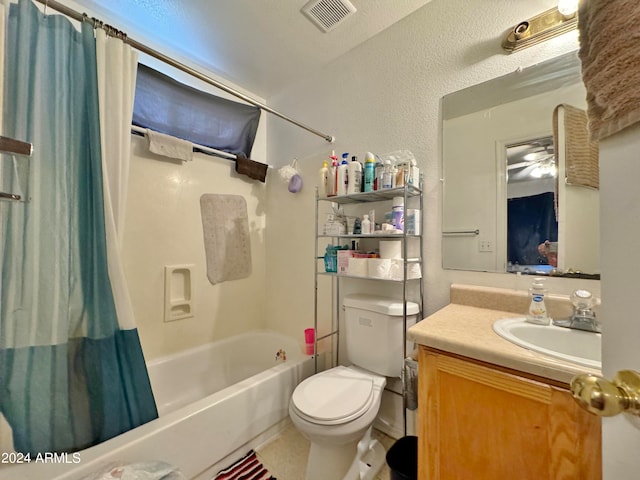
(485, 246)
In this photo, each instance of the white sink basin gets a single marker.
(575, 346)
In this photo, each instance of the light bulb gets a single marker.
(536, 172)
(546, 169)
(568, 8)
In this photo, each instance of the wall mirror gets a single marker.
(511, 202)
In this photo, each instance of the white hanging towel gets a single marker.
(169, 146)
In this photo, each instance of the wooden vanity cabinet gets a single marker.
(477, 421)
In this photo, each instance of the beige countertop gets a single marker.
(467, 330)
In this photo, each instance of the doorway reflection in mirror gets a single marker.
(532, 227)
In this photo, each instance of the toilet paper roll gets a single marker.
(379, 267)
(391, 249)
(396, 272)
(358, 267)
(414, 271)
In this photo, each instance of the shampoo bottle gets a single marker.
(537, 308)
(343, 178)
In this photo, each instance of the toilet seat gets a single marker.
(335, 396)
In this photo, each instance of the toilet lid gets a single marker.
(335, 396)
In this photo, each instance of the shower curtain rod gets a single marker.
(180, 66)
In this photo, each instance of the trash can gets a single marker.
(402, 459)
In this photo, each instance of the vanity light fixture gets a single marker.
(542, 27)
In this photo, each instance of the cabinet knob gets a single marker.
(606, 399)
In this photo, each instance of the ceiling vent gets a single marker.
(328, 14)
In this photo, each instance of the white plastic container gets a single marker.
(366, 225)
(373, 332)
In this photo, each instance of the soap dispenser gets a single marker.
(537, 309)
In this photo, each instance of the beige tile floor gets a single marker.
(286, 455)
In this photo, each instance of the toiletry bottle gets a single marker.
(537, 308)
(323, 180)
(387, 175)
(414, 173)
(333, 175)
(357, 227)
(397, 213)
(355, 176)
(343, 178)
(369, 171)
(394, 174)
(379, 170)
(366, 225)
(402, 170)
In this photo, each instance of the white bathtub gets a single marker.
(215, 402)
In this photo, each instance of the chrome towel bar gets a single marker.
(461, 232)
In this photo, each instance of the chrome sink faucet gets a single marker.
(583, 317)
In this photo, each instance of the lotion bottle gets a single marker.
(366, 225)
(343, 178)
(323, 180)
(537, 309)
(355, 176)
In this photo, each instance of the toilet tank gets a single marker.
(373, 332)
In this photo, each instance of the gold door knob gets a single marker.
(606, 399)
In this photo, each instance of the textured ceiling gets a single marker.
(261, 45)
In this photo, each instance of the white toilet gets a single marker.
(335, 409)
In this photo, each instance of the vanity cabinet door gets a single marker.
(479, 423)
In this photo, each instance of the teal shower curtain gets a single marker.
(70, 376)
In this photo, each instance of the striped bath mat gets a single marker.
(247, 468)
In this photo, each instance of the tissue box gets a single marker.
(343, 260)
(412, 221)
(334, 228)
